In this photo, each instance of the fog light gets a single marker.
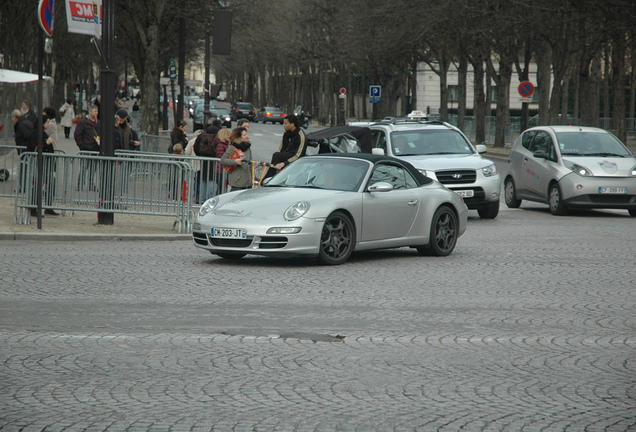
(494, 196)
(284, 230)
(196, 226)
(579, 187)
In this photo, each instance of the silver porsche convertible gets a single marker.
(328, 206)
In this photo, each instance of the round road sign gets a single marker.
(45, 15)
(343, 90)
(526, 89)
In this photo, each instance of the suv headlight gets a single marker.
(490, 170)
(580, 170)
(208, 206)
(296, 210)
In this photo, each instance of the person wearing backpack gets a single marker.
(204, 147)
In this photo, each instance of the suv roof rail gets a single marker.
(411, 121)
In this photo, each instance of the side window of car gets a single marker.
(542, 141)
(394, 175)
(378, 138)
(526, 139)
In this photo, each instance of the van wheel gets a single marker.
(511, 194)
(489, 212)
(555, 198)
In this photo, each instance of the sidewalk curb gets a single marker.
(5, 236)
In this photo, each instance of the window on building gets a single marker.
(453, 93)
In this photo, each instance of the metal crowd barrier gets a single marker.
(10, 169)
(204, 189)
(120, 184)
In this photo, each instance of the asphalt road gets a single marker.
(528, 326)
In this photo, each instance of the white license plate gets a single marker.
(232, 233)
(612, 190)
(465, 193)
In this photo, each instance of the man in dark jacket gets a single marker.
(87, 139)
(125, 131)
(22, 129)
(292, 146)
(87, 131)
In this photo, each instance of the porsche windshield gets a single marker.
(322, 173)
(429, 142)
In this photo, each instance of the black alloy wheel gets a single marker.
(443, 237)
(337, 239)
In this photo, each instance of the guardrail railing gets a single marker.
(120, 184)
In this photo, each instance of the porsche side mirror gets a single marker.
(381, 187)
(377, 151)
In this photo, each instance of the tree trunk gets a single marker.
(618, 67)
(480, 99)
(564, 100)
(150, 83)
(544, 64)
(606, 80)
(589, 75)
(462, 72)
(502, 80)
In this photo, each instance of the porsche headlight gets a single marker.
(296, 210)
(582, 171)
(208, 206)
(490, 170)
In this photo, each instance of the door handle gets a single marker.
(412, 203)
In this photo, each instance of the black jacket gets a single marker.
(293, 143)
(22, 129)
(85, 134)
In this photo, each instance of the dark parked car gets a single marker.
(243, 110)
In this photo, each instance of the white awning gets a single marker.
(11, 76)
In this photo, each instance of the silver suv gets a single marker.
(442, 152)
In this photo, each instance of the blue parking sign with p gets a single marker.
(375, 91)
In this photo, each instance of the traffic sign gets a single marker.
(173, 70)
(46, 15)
(375, 91)
(526, 89)
(343, 91)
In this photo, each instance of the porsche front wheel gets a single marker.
(337, 239)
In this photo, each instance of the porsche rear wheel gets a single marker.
(443, 238)
(337, 239)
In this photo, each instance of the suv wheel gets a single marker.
(511, 194)
(489, 212)
(555, 199)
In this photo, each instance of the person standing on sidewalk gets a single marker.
(22, 129)
(68, 115)
(240, 174)
(87, 139)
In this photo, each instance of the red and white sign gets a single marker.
(343, 90)
(46, 15)
(84, 17)
(526, 89)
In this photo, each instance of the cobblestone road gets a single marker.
(529, 326)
